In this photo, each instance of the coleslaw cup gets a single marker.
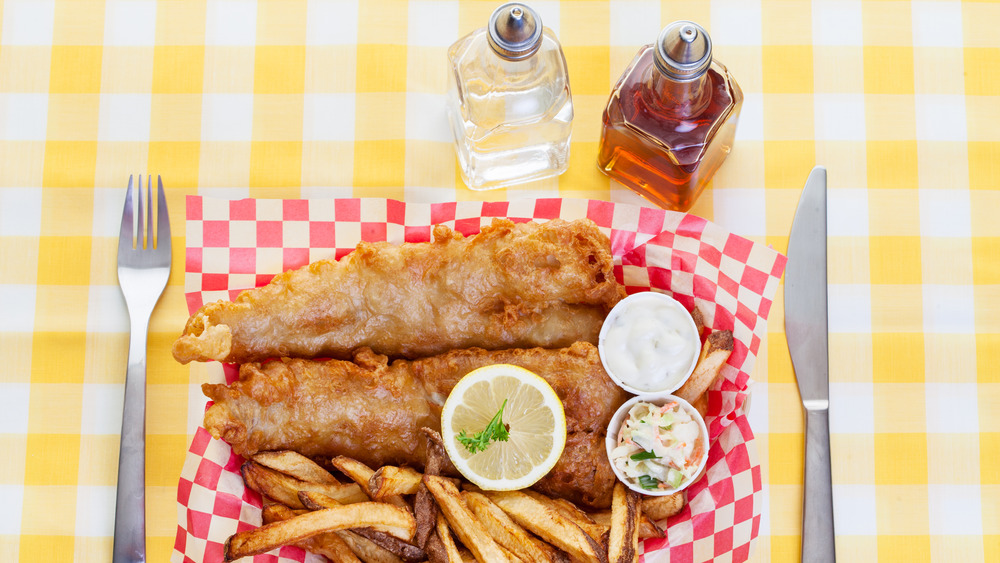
(611, 441)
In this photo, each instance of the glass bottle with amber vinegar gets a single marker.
(671, 119)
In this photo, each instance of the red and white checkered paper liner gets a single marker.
(237, 244)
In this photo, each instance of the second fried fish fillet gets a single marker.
(373, 411)
(510, 286)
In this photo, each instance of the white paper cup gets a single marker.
(619, 314)
(611, 441)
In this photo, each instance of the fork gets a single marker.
(143, 269)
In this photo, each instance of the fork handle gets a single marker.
(130, 505)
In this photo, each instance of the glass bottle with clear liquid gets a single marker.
(509, 102)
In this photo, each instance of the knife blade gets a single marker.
(807, 331)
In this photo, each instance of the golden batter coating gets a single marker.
(364, 410)
(589, 397)
(372, 410)
(510, 286)
(583, 474)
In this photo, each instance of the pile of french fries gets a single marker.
(396, 514)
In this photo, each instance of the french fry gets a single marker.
(452, 552)
(647, 528)
(547, 523)
(658, 508)
(436, 551)
(623, 540)
(461, 520)
(296, 465)
(285, 489)
(714, 353)
(424, 508)
(379, 516)
(328, 545)
(401, 549)
(443, 534)
(701, 404)
(367, 550)
(391, 480)
(596, 530)
(504, 530)
(567, 508)
(331, 546)
(355, 471)
(510, 555)
(277, 512)
(699, 320)
(425, 511)
(317, 501)
(362, 474)
(397, 547)
(434, 438)
(570, 511)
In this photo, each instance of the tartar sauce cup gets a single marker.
(649, 344)
(614, 427)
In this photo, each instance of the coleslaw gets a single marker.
(658, 447)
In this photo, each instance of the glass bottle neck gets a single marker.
(680, 100)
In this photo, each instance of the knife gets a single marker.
(807, 332)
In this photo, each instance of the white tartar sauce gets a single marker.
(649, 342)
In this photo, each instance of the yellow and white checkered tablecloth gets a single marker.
(323, 98)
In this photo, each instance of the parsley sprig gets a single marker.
(494, 431)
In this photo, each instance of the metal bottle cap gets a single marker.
(683, 51)
(515, 31)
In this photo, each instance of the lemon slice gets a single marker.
(534, 418)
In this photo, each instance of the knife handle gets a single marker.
(817, 504)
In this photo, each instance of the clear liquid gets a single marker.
(511, 119)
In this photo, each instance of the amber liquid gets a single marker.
(652, 143)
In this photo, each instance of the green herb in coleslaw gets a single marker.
(658, 447)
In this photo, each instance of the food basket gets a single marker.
(238, 244)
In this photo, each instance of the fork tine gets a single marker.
(162, 217)
(125, 235)
(140, 228)
(149, 211)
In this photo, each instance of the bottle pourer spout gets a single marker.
(515, 31)
(683, 51)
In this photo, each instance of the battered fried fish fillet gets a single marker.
(510, 286)
(576, 374)
(372, 410)
(365, 410)
(583, 474)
